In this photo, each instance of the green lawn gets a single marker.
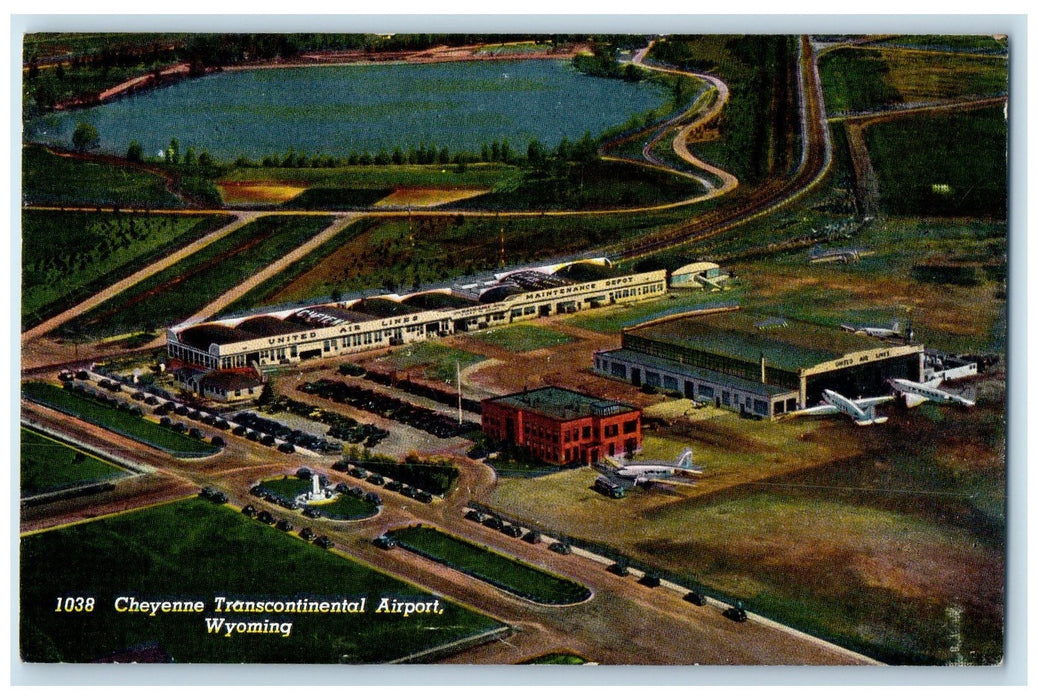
(185, 287)
(348, 507)
(502, 571)
(66, 256)
(289, 486)
(48, 179)
(193, 550)
(521, 337)
(438, 360)
(48, 464)
(117, 421)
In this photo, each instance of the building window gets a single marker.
(587, 432)
(760, 407)
(630, 426)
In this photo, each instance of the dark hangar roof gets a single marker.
(790, 345)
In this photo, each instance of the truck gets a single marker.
(607, 488)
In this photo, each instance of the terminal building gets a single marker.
(561, 426)
(756, 365)
(341, 328)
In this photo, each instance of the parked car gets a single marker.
(695, 597)
(736, 613)
(284, 526)
(560, 547)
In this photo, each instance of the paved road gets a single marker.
(623, 622)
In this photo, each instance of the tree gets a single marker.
(134, 153)
(173, 152)
(85, 137)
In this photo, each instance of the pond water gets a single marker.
(333, 110)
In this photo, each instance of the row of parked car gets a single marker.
(388, 407)
(299, 438)
(736, 612)
(378, 480)
(265, 517)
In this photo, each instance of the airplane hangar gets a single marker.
(756, 365)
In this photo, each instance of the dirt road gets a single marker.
(241, 218)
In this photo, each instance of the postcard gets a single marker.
(507, 349)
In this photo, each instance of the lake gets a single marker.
(333, 110)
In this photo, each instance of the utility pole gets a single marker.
(457, 373)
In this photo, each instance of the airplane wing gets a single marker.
(822, 409)
(869, 403)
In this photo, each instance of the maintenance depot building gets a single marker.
(341, 328)
(756, 365)
(561, 426)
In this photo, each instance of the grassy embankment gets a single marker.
(504, 572)
(117, 421)
(53, 180)
(193, 550)
(523, 337)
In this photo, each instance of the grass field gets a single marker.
(193, 550)
(66, 256)
(855, 80)
(48, 179)
(117, 421)
(948, 165)
(864, 537)
(436, 360)
(291, 283)
(858, 79)
(381, 177)
(504, 572)
(881, 288)
(969, 43)
(48, 464)
(523, 337)
(185, 287)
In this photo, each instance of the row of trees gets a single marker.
(536, 155)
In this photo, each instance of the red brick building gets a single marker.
(561, 426)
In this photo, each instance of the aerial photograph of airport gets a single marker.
(612, 349)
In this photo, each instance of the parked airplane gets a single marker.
(641, 472)
(894, 332)
(915, 393)
(861, 411)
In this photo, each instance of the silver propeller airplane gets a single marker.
(916, 393)
(861, 411)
